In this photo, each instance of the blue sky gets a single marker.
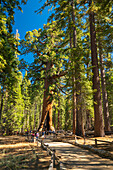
(29, 20)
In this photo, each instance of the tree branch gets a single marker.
(63, 73)
(61, 89)
(41, 70)
(41, 41)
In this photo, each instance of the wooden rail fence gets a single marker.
(84, 138)
(50, 152)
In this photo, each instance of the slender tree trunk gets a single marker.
(55, 117)
(98, 123)
(60, 118)
(74, 106)
(1, 106)
(73, 75)
(80, 118)
(35, 115)
(40, 111)
(28, 120)
(82, 114)
(66, 114)
(104, 92)
(24, 125)
(88, 118)
(58, 124)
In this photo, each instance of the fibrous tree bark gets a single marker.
(47, 100)
(55, 117)
(1, 106)
(98, 114)
(58, 123)
(77, 113)
(48, 97)
(104, 92)
(35, 111)
(74, 44)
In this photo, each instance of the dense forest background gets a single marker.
(71, 78)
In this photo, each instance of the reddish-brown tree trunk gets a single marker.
(88, 118)
(80, 117)
(50, 116)
(98, 122)
(47, 109)
(47, 101)
(40, 112)
(55, 117)
(58, 124)
(35, 115)
(1, 106)
(73, 75)
(104, 92)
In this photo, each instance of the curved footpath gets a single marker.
(74, 157)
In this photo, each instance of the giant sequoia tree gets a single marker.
(66, 14)
(48, 64)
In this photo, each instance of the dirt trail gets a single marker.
(74, 157)
(17, 153)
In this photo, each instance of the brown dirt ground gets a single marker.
(90, 140)
(17, 153)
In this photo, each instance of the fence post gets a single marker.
(53, 158)
(95, 142)
(37, 160)
(34, 139)
(84, 140)
(38, 142)
(41, 143)
(55, 135)
(75, 139)
(47, 150)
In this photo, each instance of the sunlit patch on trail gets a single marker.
(59, 144)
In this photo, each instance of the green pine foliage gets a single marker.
(21, 98)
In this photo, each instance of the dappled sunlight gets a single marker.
(22, 155)
(59, 144)
(74, 157)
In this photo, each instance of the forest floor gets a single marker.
(17, 153)
(100, 145)
(90, 140)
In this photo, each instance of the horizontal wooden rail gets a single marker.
(103, 141)
(95, 140)
(84, 138)
(51, 152)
